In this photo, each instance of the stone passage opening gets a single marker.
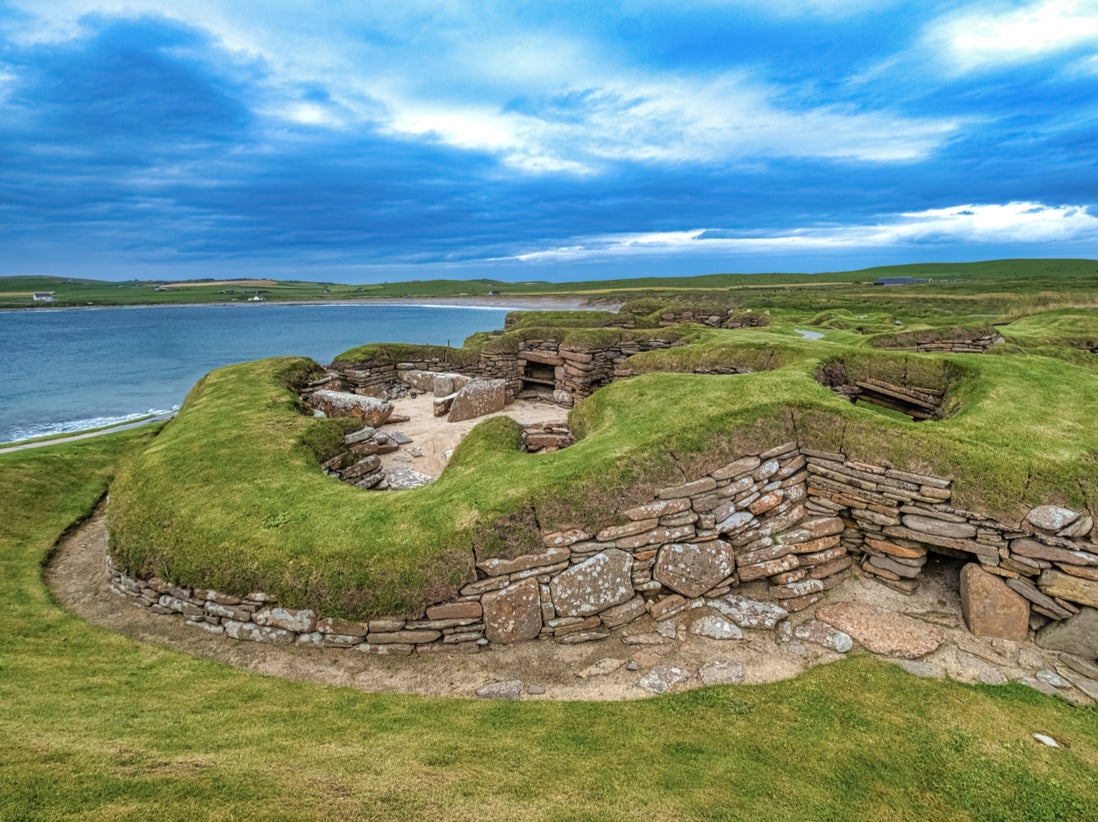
(914, 401)
(539, 379)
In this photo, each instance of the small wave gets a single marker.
(49, 429)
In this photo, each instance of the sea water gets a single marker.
(71, 369)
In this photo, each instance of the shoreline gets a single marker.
(467, 302)
(525, 303)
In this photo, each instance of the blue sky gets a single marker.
(356, 142)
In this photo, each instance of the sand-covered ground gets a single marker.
(434, 439)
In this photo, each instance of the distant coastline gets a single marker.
(530, 303)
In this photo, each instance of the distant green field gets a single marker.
(1008, 286)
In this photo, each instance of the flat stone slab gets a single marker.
(715, 627)
(1051, 517)
(722, 672)
(593, 585)
(507, 689)
(401, 479)
(880, 631)
(749, 613)
(1070, 587)
(820, 633)
(662, 678)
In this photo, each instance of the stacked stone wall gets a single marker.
(956, 345)
(770, 533)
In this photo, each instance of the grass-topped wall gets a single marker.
(230, 496)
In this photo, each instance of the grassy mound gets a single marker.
(231, 496)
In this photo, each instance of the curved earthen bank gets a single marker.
(764, 536)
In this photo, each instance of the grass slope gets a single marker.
(99, 727)
(229, 498)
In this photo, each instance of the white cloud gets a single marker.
(671, 120)
(1000, 224)
(977, 39)
(451, 73)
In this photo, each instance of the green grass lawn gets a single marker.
(95, 726)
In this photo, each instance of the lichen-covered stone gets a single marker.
(715, 627)
(1051, 517)
(478, 398)
(371, 410)
(513, 614)
(662, 678)
(251, 632)
(939, 528)
(692, 569)
(498, 566)
(749, 613)
(507, 689)
(300, 622)
(593, 585)
(722, 672)
(621, 614)
(820, 633)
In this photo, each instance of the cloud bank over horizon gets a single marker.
(534, 141)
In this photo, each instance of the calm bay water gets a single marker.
(70, 369)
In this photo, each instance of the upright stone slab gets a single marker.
(478, 398)
(593, 585)
(513, 614)
(990, 607)
(691, 569)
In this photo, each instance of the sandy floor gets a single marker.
(78, 577)
(434, 439)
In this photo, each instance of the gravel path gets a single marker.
(608, 669)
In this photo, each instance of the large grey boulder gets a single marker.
(691, 569)
(478, 398)
(593, 585)
(370, 410)
(446, 384)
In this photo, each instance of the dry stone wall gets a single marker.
(973, 344)
(758, 539)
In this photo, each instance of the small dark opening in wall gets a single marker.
(535, 389)
(540, 373)
(538, 380)
(917, 402)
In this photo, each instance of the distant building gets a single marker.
(900, 280)
(258, 298)
(165, 288)
(43, 296)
